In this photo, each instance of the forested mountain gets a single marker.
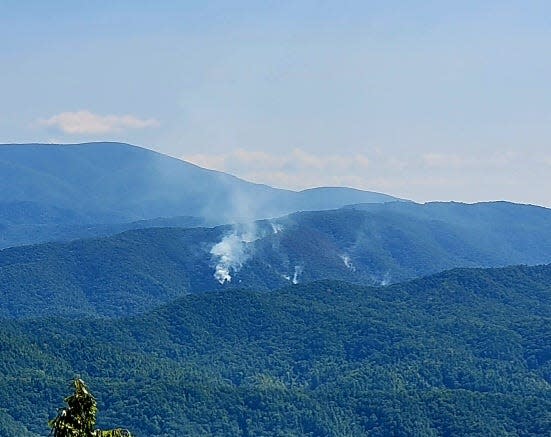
(188, 317)
(138, 270)
(103, 183)
(22, 234)
(464, 352)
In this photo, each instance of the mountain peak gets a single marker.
(114, 181)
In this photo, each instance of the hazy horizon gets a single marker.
(421, 101)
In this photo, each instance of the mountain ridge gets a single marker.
(114, 181)
(139, 269)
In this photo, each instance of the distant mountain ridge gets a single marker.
(116, 182)
(140, 269)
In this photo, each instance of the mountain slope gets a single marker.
(12, 235)
(114, 182)
(464, 352)
(138, 270)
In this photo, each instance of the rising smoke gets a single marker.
(348, 262)
(230, 254)
(233, 251)
(387, 279)
(296, 275)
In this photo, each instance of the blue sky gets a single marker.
(424, 100)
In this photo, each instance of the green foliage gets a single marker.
(56, 229)
(138, 270)
(78, 419)
(43, 186)
(465, 352)
(10, 427)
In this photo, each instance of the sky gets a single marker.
(425, 100)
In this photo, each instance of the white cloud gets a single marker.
(296, 169)
(474, 175)
(86, 122)
(213, 162)
(291, 162)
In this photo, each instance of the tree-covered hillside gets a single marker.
(23, 234)
(138, 270)
(464, 352)
(52, 192)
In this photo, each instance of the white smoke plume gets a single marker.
(348, 263)
(386, 279)
(231, 253)
(234, 249)
(296, 275)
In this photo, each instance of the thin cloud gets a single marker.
(454, 161)
(482, 174)
(294, 160)
(86, 122)
(295, 169)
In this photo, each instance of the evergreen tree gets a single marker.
(78, 419)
